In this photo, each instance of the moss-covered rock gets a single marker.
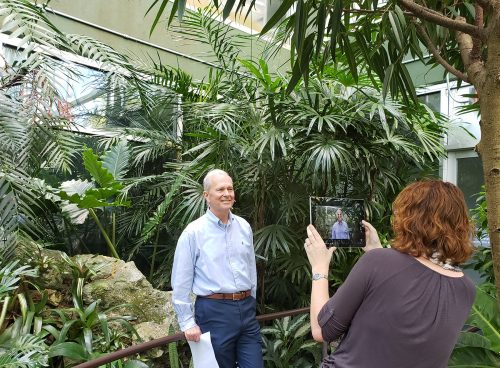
(119, 283)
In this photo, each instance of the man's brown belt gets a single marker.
(229, 296)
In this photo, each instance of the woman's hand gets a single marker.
(371, 236)
(318, 254)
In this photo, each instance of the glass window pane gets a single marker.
(470, 178)
(464, 130)
(433, 100)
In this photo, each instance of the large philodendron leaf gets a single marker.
(91, 200)
(472, 339)
(470, 357)
(116, 160)
(79, 187)
(82, 195)
(100, 174)
(486, 316)
(76, 190)
(76, 215)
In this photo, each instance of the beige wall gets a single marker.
(423, 75)
(127, 17)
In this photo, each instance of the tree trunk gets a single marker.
(489, 147)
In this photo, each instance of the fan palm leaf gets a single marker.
(274, 239)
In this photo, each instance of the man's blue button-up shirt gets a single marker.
(340, 230)
(212, 257)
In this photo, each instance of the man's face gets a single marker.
(220, 194)
(339, 215)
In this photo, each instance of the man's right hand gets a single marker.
(193, 334)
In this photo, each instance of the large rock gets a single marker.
(117, 282)
(155, 358)
(54, 273)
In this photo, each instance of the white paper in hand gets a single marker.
(203, 352)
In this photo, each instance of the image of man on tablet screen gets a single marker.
(340, 229)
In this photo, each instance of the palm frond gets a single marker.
(19, 201)
(203, 27)
(106, 56)
(193, 203)
(61, 148)
(24, 351)
(8, 223)
(327, 157)
(155, 221)
(28, 21)
(13, 130)
(10, 275)
(274, 239)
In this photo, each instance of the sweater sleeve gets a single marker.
(336, 315)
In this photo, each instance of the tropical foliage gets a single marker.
(37, 143)
(287, 344)
(32, 334)
(482, 261)
(331, 137)
(337, 135)
(461, 38)
(479, 345)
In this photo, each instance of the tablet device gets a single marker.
(338, 220)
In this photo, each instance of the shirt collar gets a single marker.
(216, 220)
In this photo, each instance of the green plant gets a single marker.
(287, 344)
(482, 347)
(32, 336)
(103, 191)
(382, 37)
(480, 215)
(329, 137)
(482, 259)
(173, 355)
(21, 341)
(22, 350)
(84, 332)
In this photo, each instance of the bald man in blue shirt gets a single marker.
(340, 230)
(215, 260)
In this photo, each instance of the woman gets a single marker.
(402, 306)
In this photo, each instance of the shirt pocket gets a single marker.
(244, 247)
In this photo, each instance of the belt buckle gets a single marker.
(237, 296)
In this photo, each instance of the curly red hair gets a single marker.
(431, 216)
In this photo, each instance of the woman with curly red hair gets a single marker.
(402, 306)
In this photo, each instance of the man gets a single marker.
(215, 260)
(340, 230)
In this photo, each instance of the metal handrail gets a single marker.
(148, 345)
